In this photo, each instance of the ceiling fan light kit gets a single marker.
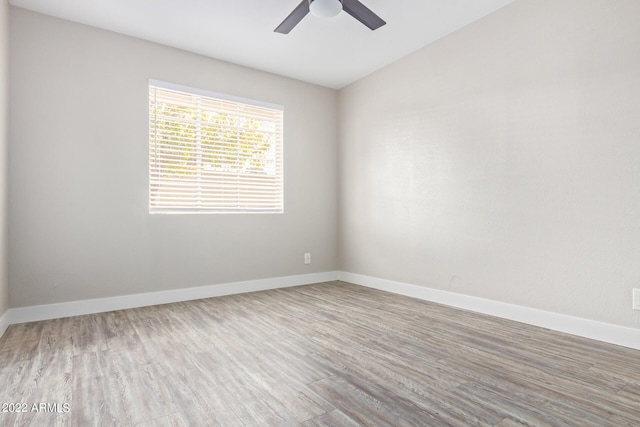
(330, 8)
(325, 8)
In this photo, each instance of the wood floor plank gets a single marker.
(444, 405)
(318, 355)
(171, 420)
(510, 422)
(525, 396)
(331, 419)
(367, 405)
(90, 405)
(576, 393)
(135, 391)
(193, 407)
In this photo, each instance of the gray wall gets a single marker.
(78, 193)
(503, 161)
(4, 134)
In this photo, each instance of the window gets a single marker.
(213, 153)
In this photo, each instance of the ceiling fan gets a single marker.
(330, 8)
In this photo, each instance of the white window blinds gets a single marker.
(213, 153)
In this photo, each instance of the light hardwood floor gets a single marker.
(327, 354)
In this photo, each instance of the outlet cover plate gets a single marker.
(636, 299)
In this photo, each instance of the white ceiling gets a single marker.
(331, 52)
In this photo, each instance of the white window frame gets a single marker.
(199, 187)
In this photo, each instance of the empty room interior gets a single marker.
(320, 213)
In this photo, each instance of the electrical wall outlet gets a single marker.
(636, 299)
(307, 257)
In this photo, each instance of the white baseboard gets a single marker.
(4, 322)
(613, 334)
(100, 305)
(619, 335)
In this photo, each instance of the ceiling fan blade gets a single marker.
(294, 18)
(362, 13)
